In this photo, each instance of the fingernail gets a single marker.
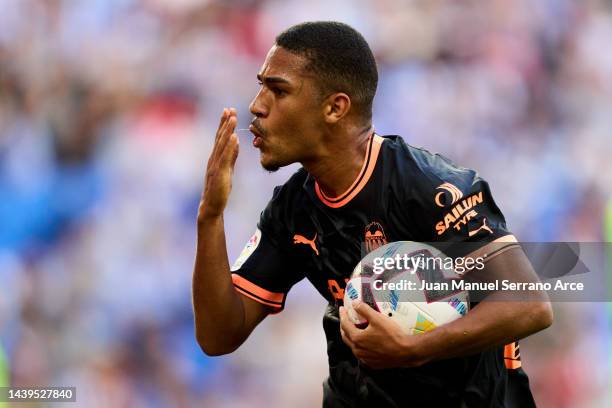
(356, 303)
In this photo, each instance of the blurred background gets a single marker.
(108, 110)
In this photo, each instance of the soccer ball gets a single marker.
(410, 282)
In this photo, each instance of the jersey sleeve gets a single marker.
(264, 270)
(455, 205)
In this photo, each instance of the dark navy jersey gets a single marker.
(401, 193)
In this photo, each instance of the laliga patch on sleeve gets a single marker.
(248, 249)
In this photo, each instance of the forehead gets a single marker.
(282, 63)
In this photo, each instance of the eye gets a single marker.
(278, 91)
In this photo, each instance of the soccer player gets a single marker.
(355, 188)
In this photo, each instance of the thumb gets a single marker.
(366, 311)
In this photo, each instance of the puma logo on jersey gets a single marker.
(484, 226)
(300, 239)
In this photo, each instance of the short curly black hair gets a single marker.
(339, 56)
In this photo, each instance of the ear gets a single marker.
(336, 106)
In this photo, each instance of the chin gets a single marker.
(273, 164)
(269, 165)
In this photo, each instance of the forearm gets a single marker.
(501, 318)
(218, 309)
(491, 323)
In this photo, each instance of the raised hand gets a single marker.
(220, 168)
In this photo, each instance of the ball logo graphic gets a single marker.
(448, 188)
(415, 289)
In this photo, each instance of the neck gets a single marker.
(340, 162)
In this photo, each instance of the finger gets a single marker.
(223, 118)
(350, 330)
(346, 340)
(228, 114)
(215, 149)
(232, 121)
(228, 128)
(230, 152)
(227, 131)
(222, 122)
(231, 113)
(366, 311)
(222, 139)
(236, 150)
(223, 130)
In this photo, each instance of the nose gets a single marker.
(257, 106)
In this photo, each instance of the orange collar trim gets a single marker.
(362, 179)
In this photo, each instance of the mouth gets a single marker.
(258, 139)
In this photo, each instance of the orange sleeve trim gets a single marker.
(512, 364)
(277, 308)
(512, 356)
(506, 238)
(369, 164)
(257, 293)
(494, 248)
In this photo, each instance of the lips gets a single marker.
(258, 140)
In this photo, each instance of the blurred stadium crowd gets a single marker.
(108, 110)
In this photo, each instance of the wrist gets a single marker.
(415, 352)
(207, 216)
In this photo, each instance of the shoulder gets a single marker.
(446, 201)
(417, 171)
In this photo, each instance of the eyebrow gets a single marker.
(272, 80)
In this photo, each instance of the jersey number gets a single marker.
(334, 288)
